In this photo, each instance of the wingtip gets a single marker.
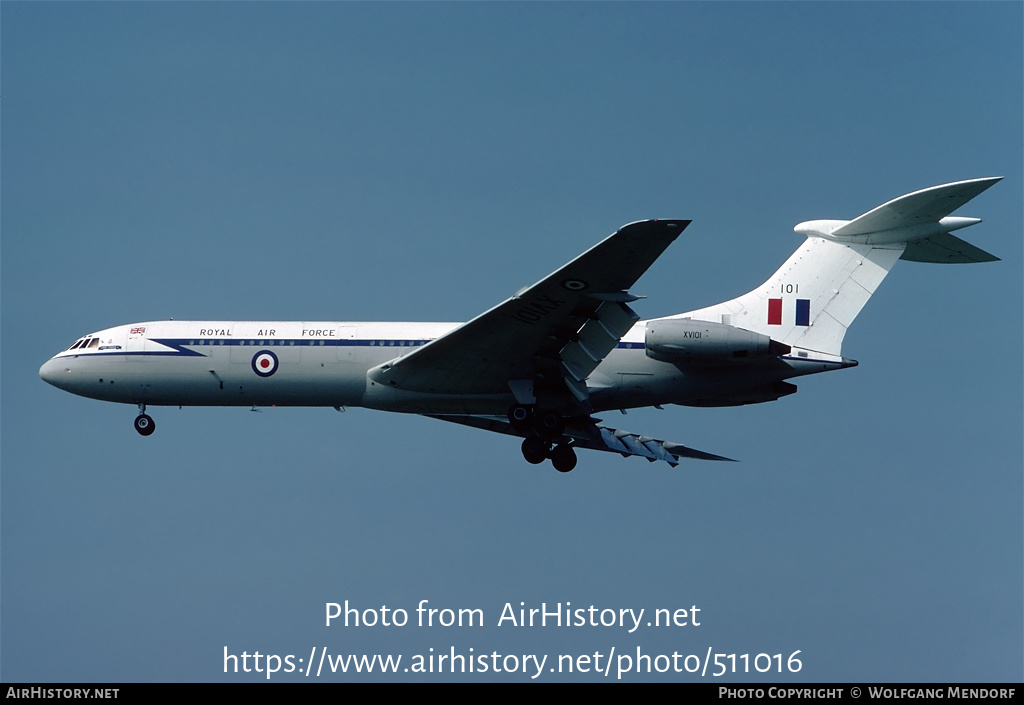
(666, 223)
(987, 180)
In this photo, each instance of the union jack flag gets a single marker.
(136, 331)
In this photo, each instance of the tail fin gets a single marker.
(814, 297)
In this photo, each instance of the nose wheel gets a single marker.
(144, 423)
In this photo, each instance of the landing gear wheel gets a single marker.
(563, 457)
(549, 424)
(521, 417)
(144, 424)
(535, 450)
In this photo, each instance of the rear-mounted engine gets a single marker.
(684, 340)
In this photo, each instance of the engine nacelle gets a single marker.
(684, 340)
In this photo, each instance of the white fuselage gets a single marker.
(275, 363)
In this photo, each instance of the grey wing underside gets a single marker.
(595, 436)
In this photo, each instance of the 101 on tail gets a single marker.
(540, 364)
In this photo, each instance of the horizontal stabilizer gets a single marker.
(946, 249)
(922, 207)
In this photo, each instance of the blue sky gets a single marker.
(364, 161)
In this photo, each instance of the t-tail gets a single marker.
(813, 298)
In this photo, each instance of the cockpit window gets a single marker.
(83, 343)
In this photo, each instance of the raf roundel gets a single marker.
(264, 363)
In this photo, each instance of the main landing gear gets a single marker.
(546, 426)
(144, 423)
(537, 450)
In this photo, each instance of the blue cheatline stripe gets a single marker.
(803, 312)
(177, 343)
(182, 346)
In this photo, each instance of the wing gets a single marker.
(554, 332)
(590, 433)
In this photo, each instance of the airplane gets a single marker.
(542, 363)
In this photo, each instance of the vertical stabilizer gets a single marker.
(817, 293)
(813, 298)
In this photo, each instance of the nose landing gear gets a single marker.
(144, 423)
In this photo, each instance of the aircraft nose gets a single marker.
(51, 370)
